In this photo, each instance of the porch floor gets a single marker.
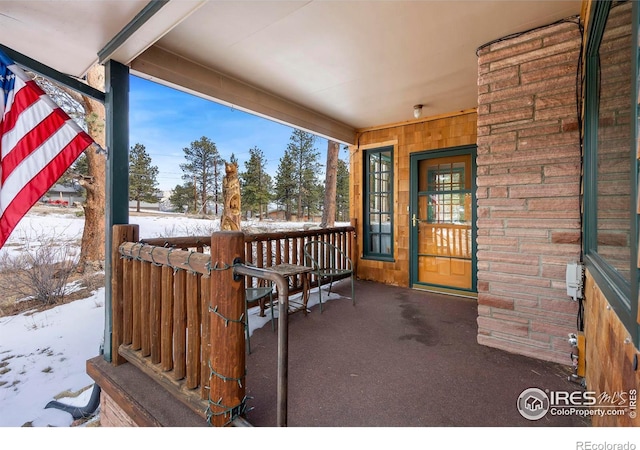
(400, 357)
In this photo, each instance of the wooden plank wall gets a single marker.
(609, 354)
(433, 133)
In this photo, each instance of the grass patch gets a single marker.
(11, 305)
(4, 367)
(71, 394)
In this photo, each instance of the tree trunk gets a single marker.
(138, 205)
(331, 185)
(203, 195)
(92, 252)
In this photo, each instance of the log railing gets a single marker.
(178, 314)
(264, 250)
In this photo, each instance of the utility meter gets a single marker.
(575, 277)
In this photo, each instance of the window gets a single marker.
(378, 204)
(611, 167)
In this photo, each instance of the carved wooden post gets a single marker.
(121, 233)
(232, 200)
(227, 332)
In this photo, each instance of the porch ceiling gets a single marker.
(327, 66)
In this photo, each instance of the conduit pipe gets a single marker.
(79, 412)
(283, 335)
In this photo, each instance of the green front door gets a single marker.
(442, 221)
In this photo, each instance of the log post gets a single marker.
(227, 330)
(120, 233)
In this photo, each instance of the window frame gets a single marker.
(618, 292)
(367, 253)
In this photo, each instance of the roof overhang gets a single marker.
(329, 67)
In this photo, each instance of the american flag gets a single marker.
(38, 143)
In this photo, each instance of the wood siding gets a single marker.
(610, 355)
(429, 134)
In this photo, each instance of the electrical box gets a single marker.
(575, 277)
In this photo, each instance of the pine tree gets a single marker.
(182, 198)
(201, 159)
(304, 157)
(143, 177)
(81, 166)
(342, 192)
(285, 188)
(256, 183)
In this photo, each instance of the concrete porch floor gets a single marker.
(399, 358)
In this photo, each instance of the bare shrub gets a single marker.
(39, 272)
(176, 230)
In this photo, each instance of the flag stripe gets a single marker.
(40, 159)
(27, 120)
(31, 142)
(22, 100)
(32, 191)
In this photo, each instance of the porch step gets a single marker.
(140, 397)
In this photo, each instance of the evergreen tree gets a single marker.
(285, 188)
(313, 201)
(81, 166)
(79, 169)
(304, 157)
(143, 176)
(182, 197)
(256, 184)
(342, 192)
(202, 159)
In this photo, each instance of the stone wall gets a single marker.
(528, 166)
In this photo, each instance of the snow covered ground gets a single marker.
(43, 354)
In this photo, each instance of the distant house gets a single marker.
(144, 206)
(60, 194)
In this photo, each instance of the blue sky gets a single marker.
(166, 121)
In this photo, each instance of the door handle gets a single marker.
(414, 220)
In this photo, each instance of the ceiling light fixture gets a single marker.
(417, 111)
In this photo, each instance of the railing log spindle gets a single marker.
(156, 311)
(120, 234)
(193, 330)
(179, 325)
(166, 333)
(145, 308)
